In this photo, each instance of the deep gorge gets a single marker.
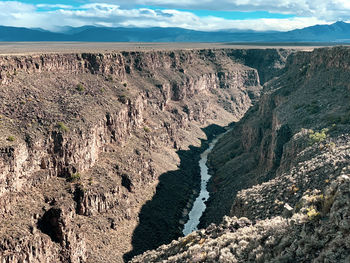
(281, 177)
(97, 143)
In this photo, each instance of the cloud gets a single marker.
(51, 6)
(322, 9)
(54, 16)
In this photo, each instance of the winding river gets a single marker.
(199, 204)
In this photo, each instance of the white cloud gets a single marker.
(109, 14)
(54, 6)
(323, 9)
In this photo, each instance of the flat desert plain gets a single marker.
(20, 48)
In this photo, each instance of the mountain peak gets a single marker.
(340, 23)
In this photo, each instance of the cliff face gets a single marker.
(284, 169)
(306, 96)
(85, 138)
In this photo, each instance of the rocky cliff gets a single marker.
(86, 137)
(309, 94)
(281, 174)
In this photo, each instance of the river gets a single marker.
(199, 204)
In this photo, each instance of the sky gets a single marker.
(205, 15)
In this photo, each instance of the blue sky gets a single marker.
(204, 15)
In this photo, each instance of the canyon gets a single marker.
(281, 183)
(99, 155)
(99, 150)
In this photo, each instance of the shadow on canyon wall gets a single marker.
(159, 217)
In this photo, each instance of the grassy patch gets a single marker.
(11, 138)
(62, 127)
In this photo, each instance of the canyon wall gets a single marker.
(307, 95)
(86, 137)
(280, 190)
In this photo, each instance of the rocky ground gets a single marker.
(280, 191)
(86, 138)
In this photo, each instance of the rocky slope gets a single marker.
(310, 94)
(290, 154)
(85, 139)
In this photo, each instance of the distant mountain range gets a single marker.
(338, 32)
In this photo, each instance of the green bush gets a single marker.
(146, 129)
(80, 87)
(125, 84)
(62, 127)
(316, 137)
(11, 138)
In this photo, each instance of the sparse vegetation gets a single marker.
(298, 106)
(338, 119)
(109, 78)
(91, 181)
(146, 129)
(125, 84)
(11, 138)
(313, 108)
(312, 213)
(62, 127)
(123, 98)
(74, 177)
(317, 137)
(80, 87)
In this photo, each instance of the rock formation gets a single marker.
(281, 184)
(86, 137)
